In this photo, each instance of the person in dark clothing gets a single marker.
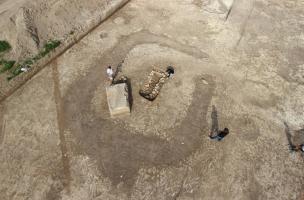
(170, 71)
(299, 147)
(220, 134)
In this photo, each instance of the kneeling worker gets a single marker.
(110, 73)
(299, 147)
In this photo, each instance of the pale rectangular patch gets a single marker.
(118, 101)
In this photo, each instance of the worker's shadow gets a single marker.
(130, 96)
(127, 81)
(214, 119)
(294, 139)
(123, 79)
(288, 135)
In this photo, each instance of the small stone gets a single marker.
(119, 20)
(205, 82)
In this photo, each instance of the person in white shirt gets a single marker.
(110, 73)
(24, 69)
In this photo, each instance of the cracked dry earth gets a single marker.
(240, 67)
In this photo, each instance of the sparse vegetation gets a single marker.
(4, 46)
(16, 70)
(47, 48)
(6, 65)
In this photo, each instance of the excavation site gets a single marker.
(152, 100)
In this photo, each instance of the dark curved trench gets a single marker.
(119, 153)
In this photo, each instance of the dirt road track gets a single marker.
(60, 120)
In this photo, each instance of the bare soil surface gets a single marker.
(238, 64)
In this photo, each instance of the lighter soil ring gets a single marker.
(168, 109)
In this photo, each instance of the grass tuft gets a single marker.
(4, 46)
(6, 65)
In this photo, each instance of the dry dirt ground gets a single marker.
(28, 24)
(241, 68)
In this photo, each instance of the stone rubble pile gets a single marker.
(151, 89)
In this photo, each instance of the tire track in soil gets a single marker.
(60, 121)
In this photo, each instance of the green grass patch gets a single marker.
(15, 72)
(4, 46)
(47, 48)
(6, 65)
